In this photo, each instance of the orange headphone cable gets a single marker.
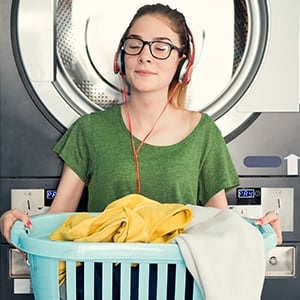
(135, 150)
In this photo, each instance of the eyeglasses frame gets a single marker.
(150, 43)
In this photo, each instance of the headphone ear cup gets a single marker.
(182, 70)
(116, 65)
(119, 66)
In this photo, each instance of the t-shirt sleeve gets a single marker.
(73, 149)
(217, 171)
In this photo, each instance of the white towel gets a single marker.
(225, 254)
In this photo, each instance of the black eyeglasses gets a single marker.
(158, 49)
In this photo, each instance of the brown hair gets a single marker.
(178, 25)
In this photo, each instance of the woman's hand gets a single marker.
(67, 198)
(273, 219)
(219, 201)
(8, 219)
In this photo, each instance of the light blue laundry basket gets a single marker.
(44, 254)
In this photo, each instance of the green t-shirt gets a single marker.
(97, 147)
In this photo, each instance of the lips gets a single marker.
(144, 72)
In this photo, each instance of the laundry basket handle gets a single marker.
(268, 233)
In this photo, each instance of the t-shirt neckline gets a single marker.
(183, 141)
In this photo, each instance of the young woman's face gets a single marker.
(144, 72)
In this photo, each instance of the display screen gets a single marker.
(246, 193)
(248, 196)
(50, 194)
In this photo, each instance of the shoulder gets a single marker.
(207, 120)
(98, 118)
(206, 124)
(207, 134)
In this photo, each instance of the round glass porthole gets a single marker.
(78, 40)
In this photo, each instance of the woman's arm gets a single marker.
(219, 200)
(68, 193)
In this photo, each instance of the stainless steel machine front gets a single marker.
(56, 64)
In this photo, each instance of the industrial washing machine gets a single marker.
(56, 60)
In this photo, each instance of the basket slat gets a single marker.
(180, 281)
(71, 279)
(107, 286)
(125, 281)
(162, 277)
(143, 284)
(88, 280)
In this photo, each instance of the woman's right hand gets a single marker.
(67, 198)
(8, 219)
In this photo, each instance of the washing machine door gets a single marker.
(66, 49)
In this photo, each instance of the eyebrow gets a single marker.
(155, 39)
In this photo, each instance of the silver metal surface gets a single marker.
(17, 265)
(270, 91)
(280, 262)
(81, 85)
(83, 74)
(85, 47)
(282, 201)
(38, 31)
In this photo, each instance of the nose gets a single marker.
(145, 54)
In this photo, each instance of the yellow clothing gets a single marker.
(133, 218)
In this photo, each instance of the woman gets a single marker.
(150, 145)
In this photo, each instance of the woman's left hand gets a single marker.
(273, 219)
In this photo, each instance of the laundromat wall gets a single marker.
(53, 68)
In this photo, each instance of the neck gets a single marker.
(146, 108)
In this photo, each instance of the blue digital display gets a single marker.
(248, 196)
(50, 194)
(246, 193)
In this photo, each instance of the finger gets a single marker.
(273, 219)
(276, 225)
(8, 220)
(25, 256)
(27, 221)
(22, 216)
(5, 228)
(268, 218)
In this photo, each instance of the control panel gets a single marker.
(254, 202)
(32, 201)
(248, 202)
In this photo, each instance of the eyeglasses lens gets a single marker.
(160, 50)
